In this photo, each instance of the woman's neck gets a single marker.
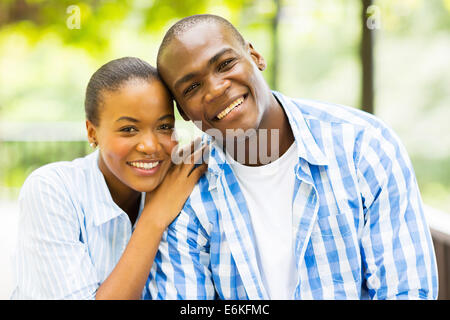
(125, 197)
(128, 200)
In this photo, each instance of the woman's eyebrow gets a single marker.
(127, 119)
(171, 116)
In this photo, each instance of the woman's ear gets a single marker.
(257, 57)
(91, 133)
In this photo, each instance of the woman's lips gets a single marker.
(145, 168)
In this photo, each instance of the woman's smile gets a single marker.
(145, 167)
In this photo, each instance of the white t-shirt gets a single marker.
(268, 191)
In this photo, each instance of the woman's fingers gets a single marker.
(198, 171)
(196, 159)
(182, 154)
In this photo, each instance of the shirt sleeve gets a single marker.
(51, 260)
(396, 245)
(181, 269)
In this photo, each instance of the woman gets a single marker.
(86, 228)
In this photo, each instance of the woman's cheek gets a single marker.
(168, 143)
(119, 149)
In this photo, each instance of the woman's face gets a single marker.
(135, 135)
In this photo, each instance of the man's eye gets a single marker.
(225, 64)
(191, 87)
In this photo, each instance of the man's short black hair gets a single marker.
(187, 23)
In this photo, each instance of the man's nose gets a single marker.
(148, 144)
(217, 87)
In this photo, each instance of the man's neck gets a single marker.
(269, 142)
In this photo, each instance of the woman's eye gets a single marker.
(225, 64)
(166, 126)
(128, 129)
(191, 87)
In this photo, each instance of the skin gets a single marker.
(136, 125)
(206, 69)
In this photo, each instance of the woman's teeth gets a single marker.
(144, 165)
(229, 108)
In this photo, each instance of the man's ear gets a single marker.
(182, 114)
(256, 56)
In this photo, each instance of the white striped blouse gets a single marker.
(71, 233)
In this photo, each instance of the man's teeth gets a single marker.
(230, 107)
(144, 165)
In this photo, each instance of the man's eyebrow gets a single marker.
(191, 75)
(219, 54)
(127, 119)
(184, 79)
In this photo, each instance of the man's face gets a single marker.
(215, 79)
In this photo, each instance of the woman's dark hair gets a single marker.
(110, 77)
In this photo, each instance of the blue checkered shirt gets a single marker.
(359, 226)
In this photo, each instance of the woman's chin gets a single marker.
(145, 184)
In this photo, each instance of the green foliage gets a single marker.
(19, 159)
(45, 65)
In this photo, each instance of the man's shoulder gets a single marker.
(335, 113)
(342, 124)
(199, 210)
(320, 114)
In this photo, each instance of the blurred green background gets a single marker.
(49, 50)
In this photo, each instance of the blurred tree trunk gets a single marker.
(16, 11)
(366, 56)
(275, 46)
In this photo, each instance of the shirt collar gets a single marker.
(307, 148)
(107, 209)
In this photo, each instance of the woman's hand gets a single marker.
(165, 202)
(162, 205)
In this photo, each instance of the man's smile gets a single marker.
(233, 105)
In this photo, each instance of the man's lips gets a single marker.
(235, 103)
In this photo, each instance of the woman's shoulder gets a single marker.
(63, 174)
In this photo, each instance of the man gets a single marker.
(333, 213)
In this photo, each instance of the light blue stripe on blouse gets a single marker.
(71, 233)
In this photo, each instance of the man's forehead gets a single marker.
(203, 34)
(196, 46)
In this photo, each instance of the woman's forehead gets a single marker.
(137, 97)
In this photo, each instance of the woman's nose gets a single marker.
(217, 87)
(148, 144)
